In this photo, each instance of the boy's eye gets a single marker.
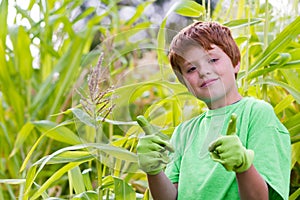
(213, 60)
(191, 69)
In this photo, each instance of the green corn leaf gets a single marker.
(292, 78)
(23, 58)
(129, 93)
(120, 187)
(240, 23)
(295, 53)
(139, 11)
(88, 195)
(67, 67)
(125, 35)
(292, 124)
(295, 139)
(111, 152)
(290, 89)
(108, 182)
(161, 41)
(17, 102)
(86, 179)
(295, 64)
(166, 112)
(146, 195)
(241, 8)
(21, 137)
(31, 4)
(58, 133)
(182, 7)
(85, 14)
(123, 190)
(3, 131)
(3, 21)
(83, 117)
(56, 176)
(68, 156)
(296, 194)
(25, 14)
(295, 153)
(13, 181)
(283, 104)
(284, 58)
(189, 8)
(9, 77)
(279, 44)
(110, 155)
(30, 177)
(86, 119)
(33, 171)
(76, 180)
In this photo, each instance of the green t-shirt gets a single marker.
(200, 178)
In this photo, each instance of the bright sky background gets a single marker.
(282, 7)
(23, 4)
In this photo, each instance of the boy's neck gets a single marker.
(223, 102)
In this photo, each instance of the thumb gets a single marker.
(169, 147)
(145, 125)
(231, 130)
(149, 129)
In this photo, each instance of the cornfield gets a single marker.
(74, 76)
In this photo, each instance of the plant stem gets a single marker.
(247, 53)
(266, 32)
(208, 10)
(296, 3)
(111, 132)
(28, 83)
(266, 25)
(99, 174)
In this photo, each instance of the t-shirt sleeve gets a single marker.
(270, 141)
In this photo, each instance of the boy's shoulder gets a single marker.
(184, 126)
(193, 120)
(258, 104)
(262, 112)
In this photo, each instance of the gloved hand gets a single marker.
(151, 149)
(152, 155)
(229, 151)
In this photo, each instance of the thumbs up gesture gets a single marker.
(230, 152)
(151, 149)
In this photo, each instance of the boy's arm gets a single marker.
(252, 185)
(161, 187)
(229, 151)
(152, 158)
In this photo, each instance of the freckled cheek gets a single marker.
(190, 80)
(219, 70)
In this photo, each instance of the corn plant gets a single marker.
(68, 130)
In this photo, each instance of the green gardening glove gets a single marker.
(229, 151)
(151, 149)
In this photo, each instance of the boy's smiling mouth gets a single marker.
(208, 82)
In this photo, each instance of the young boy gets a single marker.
(207, 164)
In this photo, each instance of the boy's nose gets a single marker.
(203, 70)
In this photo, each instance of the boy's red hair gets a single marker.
(204, 34)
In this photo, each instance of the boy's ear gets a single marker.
(237, 68)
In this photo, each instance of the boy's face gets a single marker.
(210, 76)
